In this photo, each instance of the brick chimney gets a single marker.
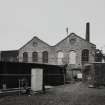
(88, 32)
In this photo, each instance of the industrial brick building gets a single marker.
(72, 50)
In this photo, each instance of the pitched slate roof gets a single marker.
(35, 37)
(76, 36)
(58, 42)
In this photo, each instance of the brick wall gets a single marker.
(39, 48)
(70, 43)
(78, 45)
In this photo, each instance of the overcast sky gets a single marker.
(20, 20)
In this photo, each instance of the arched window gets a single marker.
(72, 57)
(25, 57)
(45, 57)
(60, 58)
(34, 57)
(85, 55)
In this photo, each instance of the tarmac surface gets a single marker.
(69, 94)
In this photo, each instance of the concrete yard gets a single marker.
(69, 94)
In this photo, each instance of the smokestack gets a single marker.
(88, 32)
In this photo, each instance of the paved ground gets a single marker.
(70, 94)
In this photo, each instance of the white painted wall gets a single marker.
(36, 79)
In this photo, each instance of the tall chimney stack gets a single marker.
(88, 31)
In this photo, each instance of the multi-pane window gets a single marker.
(72, 57)
(60, 58)
(34, 57)
(85, 55)
(45, 57)
(25, 57)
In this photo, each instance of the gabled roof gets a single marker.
(76, 36)
(58, 42)
(35, 37)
